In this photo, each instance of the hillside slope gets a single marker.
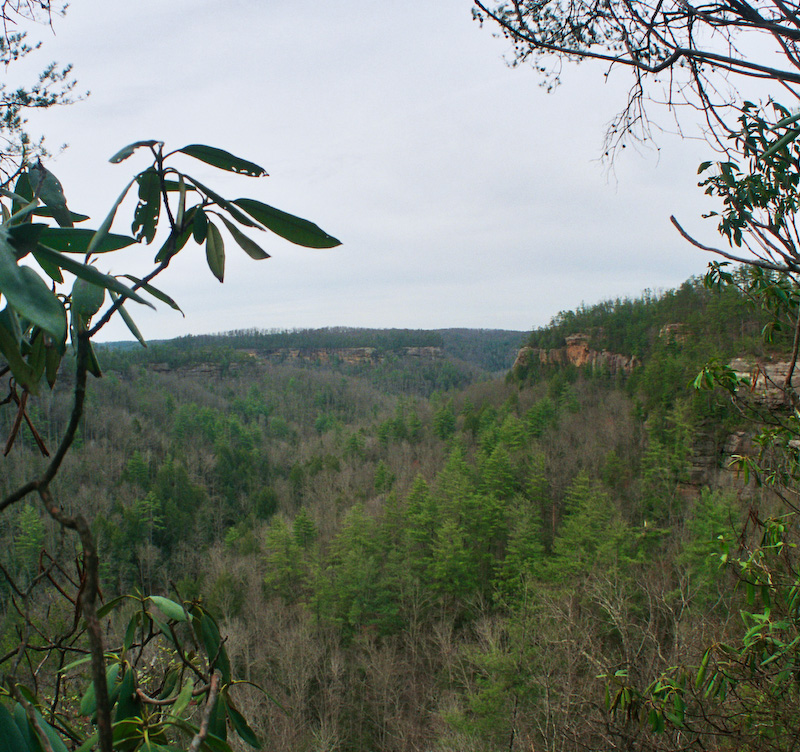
(407, 553)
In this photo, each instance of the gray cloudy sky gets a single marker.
(463, 193)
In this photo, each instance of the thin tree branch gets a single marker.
(750, 262)
(202, 733)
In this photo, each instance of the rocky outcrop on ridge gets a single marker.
(766, 379)
(577, 352)
(352, 355)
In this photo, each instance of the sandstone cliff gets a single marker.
(577, 352)
(766, 379)
(353, 355)
(321, 356)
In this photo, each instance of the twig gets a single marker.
(738, 259)
(202, 733)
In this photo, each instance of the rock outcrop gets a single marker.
(352, 355)
(577, 352)
(428, 352)
(766, 379)
(675, 332)
(198, 369)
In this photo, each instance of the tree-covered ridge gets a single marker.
(400, 361)
(315, 339)
(723, 321)
(490, 349)
(402, 570)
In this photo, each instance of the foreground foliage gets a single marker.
(45, 328)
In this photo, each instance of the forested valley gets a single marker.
(408, 544)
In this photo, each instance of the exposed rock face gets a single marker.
(353, 355)
(675, 332)
(704, 459)
(577, 352)
(423, 352)
(349, 355)
(766, 379)
(523, 358)
(200, 369)
(324, 356)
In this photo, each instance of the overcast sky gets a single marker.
(463, 193)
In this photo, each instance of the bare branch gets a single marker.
(202, 733)
(738, 259)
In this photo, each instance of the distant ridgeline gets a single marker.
(473, 350)
(678, 330)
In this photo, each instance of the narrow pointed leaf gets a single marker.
(102, 234)
(250, 247)
(92, 363)
(50, 268)
(53, 358)
(224, 160)
(294, 229)
(145, 216)
(176, 241)
(188, 229)
(788, 120)
(113, 604)
(241, 727)
(126, 151)
(169, 608)
(75, 664)
(199, 226)
(76, 240)
(89, 700)
(126, 317)
(23, 193)
(130, 631)
(25, 729)
(89, 744)
(155, 292)
(128, 704)
(9, 318)
(217, 723)
(37, 354)
(215, 252)
(207, 631)
(183, 699)
(43, 211)
(48, 188)
(181, 201)
(171, 186)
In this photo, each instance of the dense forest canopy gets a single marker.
(722, 320)
(430, 359)
(402, 565)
